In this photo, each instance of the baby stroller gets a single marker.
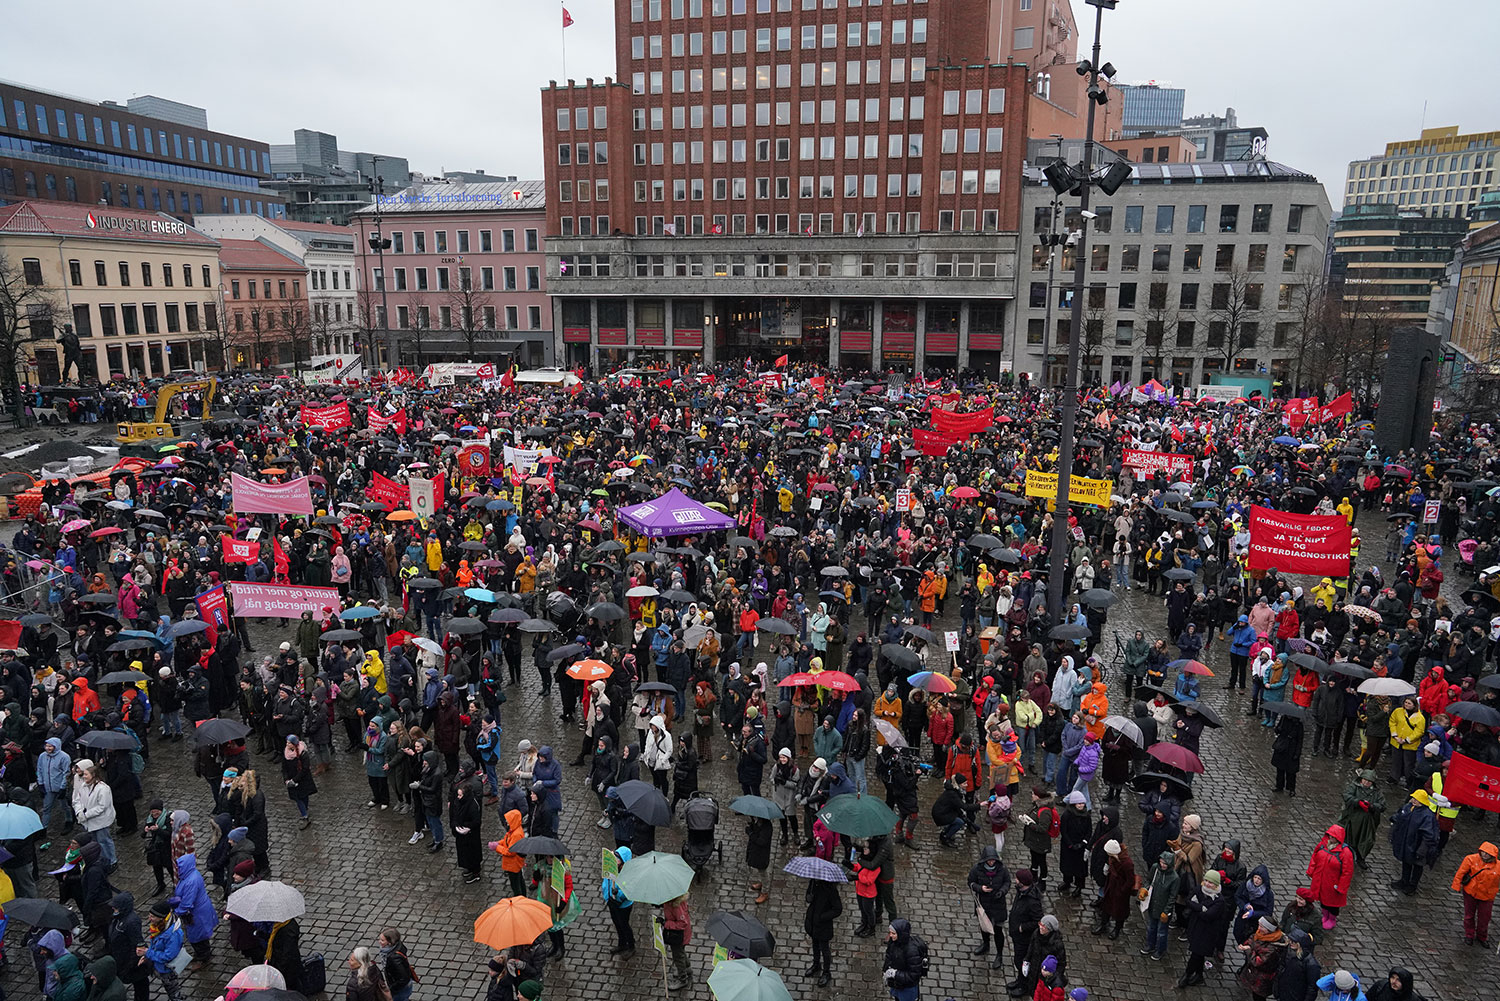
(701, 814)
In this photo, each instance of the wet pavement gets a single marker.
(358, 873)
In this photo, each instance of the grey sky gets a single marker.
(453, 84)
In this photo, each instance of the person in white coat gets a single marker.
(94, 805)
(657, 753)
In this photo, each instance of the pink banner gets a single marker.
(326, 418)
(1172, 463)
(253, 497)
(282, 601)
(379, 421)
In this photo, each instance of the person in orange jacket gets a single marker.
(1095, 706)
(510, 862)
(1478, 879)
(928, 592)
(85, 699)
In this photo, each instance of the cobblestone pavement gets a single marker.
(358, 874)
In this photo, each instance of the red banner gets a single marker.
(1174, 464)
(474, 460)
(239, 550)
(948, 422)
(213, 607)
(1298, 411)
(379, 421)
(934, 443)
(384, 490)
(1299, 543)
(253, 497)
(1336, 408)
(326, 418)
(282, 601)
(1473, 783)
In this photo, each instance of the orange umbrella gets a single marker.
(590, 670)
(513, 921)
(401, 516)
(273, 471)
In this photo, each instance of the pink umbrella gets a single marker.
(1177, 756)
(76, 524)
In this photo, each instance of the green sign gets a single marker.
(720, 954)
(559, 877)
(609, 863)
(658, 942)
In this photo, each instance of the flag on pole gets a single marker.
(808, 230)
(717, 228)
(567, 18)
(781, 362)
(861, 230)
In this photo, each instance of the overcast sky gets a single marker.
(453, 84)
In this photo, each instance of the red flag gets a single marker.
(474, 460)
(239, 550)
(567, 18)
(781, 362)
(279, 557)
(1337, 407)
(1472, 783)
(10, 634)
(508, 380)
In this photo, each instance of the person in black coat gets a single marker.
(121, 937)
(1286, 752)
(465, 817)
(751, 767)
(1046, 941)
(1106, 829)
(1074, 835)
(989, 881)
(1206, 910)
(684, 771)
(1025, 912)
(1300, 969)
(823, 906)
(758, 853)
(603, 768)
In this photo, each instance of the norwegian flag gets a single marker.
(567, 18)
(717, 229)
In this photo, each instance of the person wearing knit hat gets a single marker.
(1207, 914)
(1119, 889)
(1341, 986)
(1078, 994)
(1264, 952)
(1414, 840)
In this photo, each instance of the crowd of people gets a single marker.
(879, 623)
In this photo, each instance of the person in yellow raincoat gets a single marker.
(526, 576)
(434, 553)
(374, 669)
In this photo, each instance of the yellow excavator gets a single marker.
(160, 428)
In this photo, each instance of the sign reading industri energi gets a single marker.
(135, 224)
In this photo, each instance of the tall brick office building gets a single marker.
(838, 180)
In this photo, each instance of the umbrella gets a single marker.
(513, 921)
(741, 932)
(536, 626)
(1177, 573)
(430, 645)
(340, 636)
(901, 656)
(1176, 756)
(133, 643)
(984, 541)
(922, 633)
(98, 598)
(257, 977)
(1191, 667)
(187, 627)
(465, 627)
(1475, 712)
(1477, 596)
(36, 619)
(1488, 681)
(1387, 686)
(123, 677)
(605, 611)
(655, 686)
(1284, 709)
(510, 616)
(644, 801)
(655, 878)
(678, 596)
(1347, 668)
(219, 731)
(41, 913)
(780, 627)
(359, 612)
(268, 900)
(837, 680)
(1176, 786)
(812, 867)
(1126, 728)
(893, 737)
(538, 845)
(834, 572)
(423, 583)
(932, 682)
(642, 591)
(566, 651)
(1209, 717)
(757, 806)
(1098, 597)
(108, 740)
(1186, 519)
(1361, 612)
(857, 816)
(746, 980)
(589, 670)
(1067, 631)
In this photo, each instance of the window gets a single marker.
(101, 277)
(146, 273)
(1187, 296)
(398, 243)
(486, 242)
(1289, 258)
(1294, 218)
(1022, 38)
(208, 280)
(531, 241)
(129, 322)
(509, 277)
(1192, 257)
(1224, 257)
(107, 321)
(1130, 257)
(1161, 257)
(534, 317)
(419, 242)
(1127, 295)
(31, 269)
(1257, 260)
(1185, 331)
(1124, 332)
(280, 288)
(75, 273)
(508, 241)
(1165, 218)
(82, 324)
(1229, 218)
(1133, 216)
(1260, 219)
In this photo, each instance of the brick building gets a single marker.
(830, 179)
(265, 305)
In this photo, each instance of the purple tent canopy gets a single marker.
(673, 513)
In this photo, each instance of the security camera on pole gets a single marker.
(1067, 179)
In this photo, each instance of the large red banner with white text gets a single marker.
(1471, 782)
(1299, 543)
(379, 421)
(1174, 464)
(326, 418)
(253, 497)
(948, 422)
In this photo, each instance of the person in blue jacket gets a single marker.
(546, 782)
(165, 941)
(619, 909)
(1241, 638)
(192, 906)
(1341, 986)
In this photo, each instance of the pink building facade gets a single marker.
(461, 275)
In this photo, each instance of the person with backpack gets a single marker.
(400, 976)
(906, 961)
(1039, 829)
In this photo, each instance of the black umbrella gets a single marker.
(564, 652)
(742, 933)
(41, 913)
(1284, 709)
(339, 636)
(122, 678)
(130, 643)
(922, 633)
(1474, 596)
(1098, 597)
(643, 801)
(98, 598)
(219, 731)
(1308, 661)
(780, 627)
(465, 626)
(1209, 717)
(903, 657)
(1179, 788)
(538, 845)
(1347, 668)
(1177, 573)
(504, 615)
(537, 626)
(679, 596)
(423, 583)
(1069, 631)
(605, 611)
(108, 740)
(1475, 712)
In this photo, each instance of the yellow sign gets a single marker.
(1081, 490)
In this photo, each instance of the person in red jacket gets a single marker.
(1304, 687)
(940, 729)
(1432, 693)
(1287, 624)
(1331, 868)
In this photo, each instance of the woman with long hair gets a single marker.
(366, 979)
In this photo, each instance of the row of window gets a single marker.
(721, 78)
(808, 223)
(1165, 219)
(265, 286)
(1424, 184)
(1431, 165)
(813, 36)
(855, 147)
(941, 264)
(808, 186)
(1233, 296)
(420, 283)
(154, 141)
(82, 157)
(132, 319)
(1185, 334)
(486, 241)
(32, 271)
(320, 276)
(420, 318)
(651, 10)
(341, 311)
(1225, 257)
(267, 319)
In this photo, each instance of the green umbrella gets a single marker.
(857, 816)
(654, 878)
(746, 980)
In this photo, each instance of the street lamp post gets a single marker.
(379, 244)
(1083, 176)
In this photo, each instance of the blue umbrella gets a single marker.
(17, 821)
(812, 867)
(1286, 439)
(187, 627)
(358, 612)
(480, 594)
(142, 634)
(500, 505)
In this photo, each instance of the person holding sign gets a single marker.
(619, 905)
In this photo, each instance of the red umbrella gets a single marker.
(1192, 667)
(799, 680)
(1176, 756)
(837, 680)
(102, 532)
(397, 638)
(966, 493)
(591, 525)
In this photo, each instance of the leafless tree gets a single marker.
(1314, 336)
(1160, 318)
(28, 315)
(467, 301)
(1232, 303)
